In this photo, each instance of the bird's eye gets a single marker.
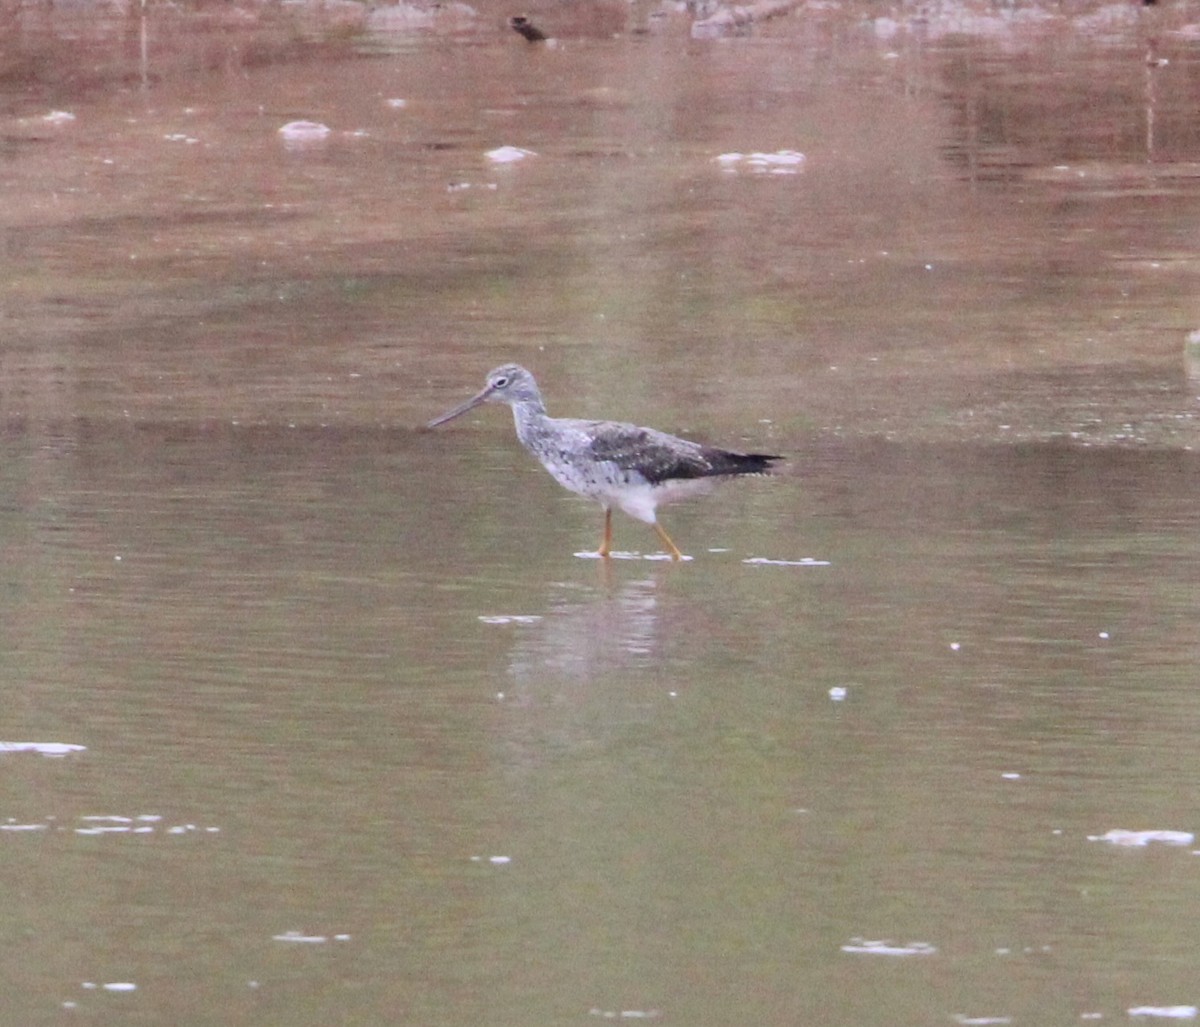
(500, 383)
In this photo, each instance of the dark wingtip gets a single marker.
(760, 463)
(723, 461)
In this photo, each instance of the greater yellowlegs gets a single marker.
(613, 463)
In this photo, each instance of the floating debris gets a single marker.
(508, 154)
(521, 23)
(413, 17)
(55, 749)
(862, 946)
(837, 693)
(397, 104)
(625, 1014)
(781, 162)
(1140, 839)
(59, 118)
(497, 861)
(111, 986)
(737, 19)
(980, 1021)
(1164, 1012)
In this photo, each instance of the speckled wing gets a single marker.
(659, 457)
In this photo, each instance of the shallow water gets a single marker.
(312, 716)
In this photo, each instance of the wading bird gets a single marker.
(614, 463)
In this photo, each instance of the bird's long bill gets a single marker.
(462, 408)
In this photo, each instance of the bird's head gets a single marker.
(509, 383)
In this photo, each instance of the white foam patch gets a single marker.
(56, 749)
(513, 618)
(980, 1021)
(303, 132)
(861, 946)
(299, 938)
(659, 557)
(107, 823)
(807, 561)
(142, 823)
(1140, 839)
(780, 162)
(1163, 1012)
(508, 154)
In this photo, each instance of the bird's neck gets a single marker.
(528, 415)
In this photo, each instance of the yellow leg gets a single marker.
(666, 539)
(606, 542)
